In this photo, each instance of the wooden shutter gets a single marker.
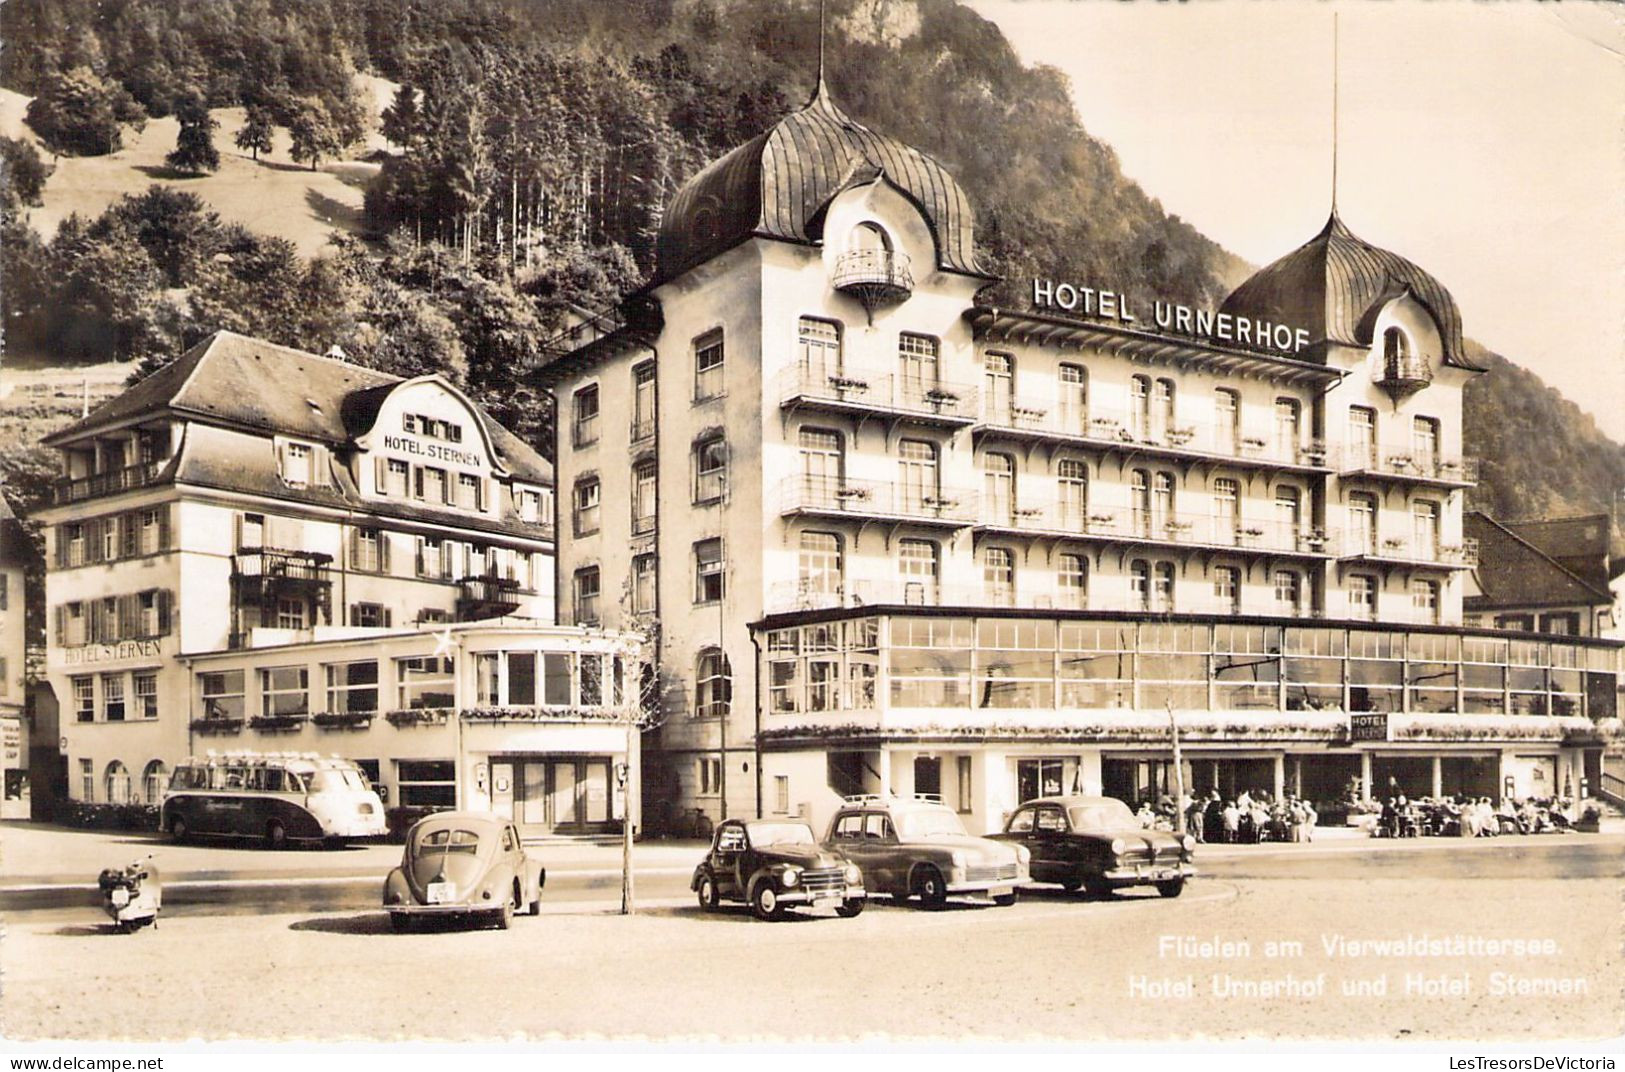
(93, 540)
(164, 527)
(380, 476)
(389, 617)
(129, 614)
(417, 481)
(61, 535)
(355, 614)
(355, 548)
(321, 462)
(62, 626)
(383, 551)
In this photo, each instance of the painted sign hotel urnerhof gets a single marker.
(1113, 305)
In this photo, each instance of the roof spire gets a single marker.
(822, 89)
(1334, 113)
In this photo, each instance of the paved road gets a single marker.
(1051, 966)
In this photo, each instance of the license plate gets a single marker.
(826, 900)
(1001, 891)
(121, 897)
(440, 893)
(1163, 874)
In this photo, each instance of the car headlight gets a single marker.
(959, 858)
(853, 874)
(791, 876)
(1188, 843)
(1023, 854)
(1118, 846)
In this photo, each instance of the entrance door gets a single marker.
(563, 794)
(533, 807)
(928, 775)
(502, 789)
(595, 786)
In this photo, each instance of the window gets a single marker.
(1072, 581)
(1140, 501)
(818, 351)
(709, 775)
(823, 463)
(821, 564)
(585, 515)
(999, 576)
(432, 486)
(84, 699)
(644, 475)
(711, 469)
(643, 584)
(109, 539)
(1227, 589)
(1425, 526)
(113, 697)
(1140, 584)
(222, 693)
(713, 684)
(521, 677)
(584, 417)
(424, 681)
(370, 615)
(708, 571)
(917, 365)
(251, 532)
(118, 783)
(556, 678)
(1072, 481)
(352, 688)
(290, 613)
(1362, 438)
(151, 614)
(999, 488)
(917, 468)
(470, 492)
(426, 783)
(296, 464)
(369, 551)
(1140, 413)
(708, 366)
(1362, 589)
(1425, 444)
(1074, 400)
(999, 372)
(643, 401)
(586, 591)
(1227, 422)
(1226, 510)
(1425, 601)
(146, 696)
(285, 690)
(87, 780)
(397, 478)
(1162, 588)
(781, 793)
(1288, 511)
(1163, 412)
(1288, 430)
(154, 779)
(918, 567)
(1363, 522)
(1288, 593)
(966, 803)
(1396, 353)
(1162, 503)
(431, 558)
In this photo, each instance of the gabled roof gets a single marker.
(1514, 572)
(1579, 544)
(248, 383)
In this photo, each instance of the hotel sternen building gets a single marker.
(898, 540)
(259, 548)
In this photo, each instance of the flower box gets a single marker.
(1181, 436)
(1178, 526)
(343, 720)
(939, 397)
(542, 714)
(217, 725)
(277, 723)
(848, 383)
(1027, 511)
(418, 716)
(852, 493)
(1252, 532)
(1253, 442)
(1393, 544)
(1102, 519)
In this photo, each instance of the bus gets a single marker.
(281, 797)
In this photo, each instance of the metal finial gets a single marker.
(821, 6)
(1334, 112)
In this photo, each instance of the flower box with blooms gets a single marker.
(937, 396)
(1181, 436)
(848, 383)
(217, 725)
(1254, 442)
(1178, 526)
(277, 723)
(343, 720)
(851, 492)
(1393, 543)
(1252, 532)
(418, 716)
(543, 714)
(1102, 519)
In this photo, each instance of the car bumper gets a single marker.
(1000, 887)
(1144, 874)
(833, 897)
(444, 909)
(359, 827)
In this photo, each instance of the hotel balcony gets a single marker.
(261, 577)
(107, 483)
(1125, 432)
(486, 597)
(1408, 551)
(792, 596)
(876, 500)
(1403, 465)
(863, 393)
(875, 277)
(1200, 531)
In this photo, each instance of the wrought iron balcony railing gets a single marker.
(859, 390)
(1407, 464)
(835, 496)
(1410, 550)
(1187, 529)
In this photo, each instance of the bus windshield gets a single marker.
(335, 780)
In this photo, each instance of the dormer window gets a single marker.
(1404, 371)
(296, 465)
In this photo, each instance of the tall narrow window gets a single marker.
(1226, 510)
(708, 366)
(643, 401)
(713, 684)
(1072, 481)
(819, 352)
(821, 565)
(643, 584)
(1425, 525)
(999, 477)
(710, 469)
(1288, 514)
(1288, 593)
(1288, 433)
(918, 567)
(1362, 596)
(587, 588)
(588, 492)
(999, 576)
(917, 366)
(1363, 523)
(1162, 588)
(708, 571)
(1000, 385)
(1425, 445)
(1140, 501)
(1362, 438)
(113, 697)
(1425, 601)
(1163, 410)
(1074, 399)
(823, 465)
(1140, 413)
(1162, 504)
(1072, 582)
(584, 421)
(917, 470)
(643, 497)
(1227, 420)
(1139, 584)
(1227, 589)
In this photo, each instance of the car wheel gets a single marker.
(503, 916)
(276, 835)
(848, 909)
(400, 922)
(536, 902)
(930, 888)
(1005, 900)
(177, 828)
(1097, 888)
(1071, 885)
(765, 902)
(1172, 888)
(707, 894)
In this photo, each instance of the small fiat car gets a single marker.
(773, 864)
(460, 863)
(917, 847)
(1098, 844)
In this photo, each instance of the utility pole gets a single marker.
(623, 774)
(1179, 773)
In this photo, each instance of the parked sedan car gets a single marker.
(917, 847)
(772, 864)
(1098, 844)
(463, 863)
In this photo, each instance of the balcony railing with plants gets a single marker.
(887, 392)
(1184, 529)
(1123, 430)
(876, 499)
(76, 489)
(1408, 549)
(1405, 463)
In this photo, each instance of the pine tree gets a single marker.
(194, 151)
(400, 121)
(255, 136)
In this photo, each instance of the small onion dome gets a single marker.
(777, 183)
(1334, 285)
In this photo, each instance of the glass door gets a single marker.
(533, 806)
(502, 789)
(595, 791)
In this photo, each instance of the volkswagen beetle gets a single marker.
(462, 863)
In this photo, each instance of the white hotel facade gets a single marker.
(899, 540)
(259, 548)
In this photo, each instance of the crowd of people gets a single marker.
(1466, 816)
(1250, 817)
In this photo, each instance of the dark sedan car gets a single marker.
(1098, 844)
(467, 864)
(772, 864)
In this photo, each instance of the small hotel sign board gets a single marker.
(112, 653)
(1369, 726)
(1170, 317)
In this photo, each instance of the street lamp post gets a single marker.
(1179, 773)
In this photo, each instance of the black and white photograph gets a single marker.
(887, 525)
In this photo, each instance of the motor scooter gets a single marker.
(132, 896)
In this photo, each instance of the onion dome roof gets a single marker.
(1334, 285)
(777, 183)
